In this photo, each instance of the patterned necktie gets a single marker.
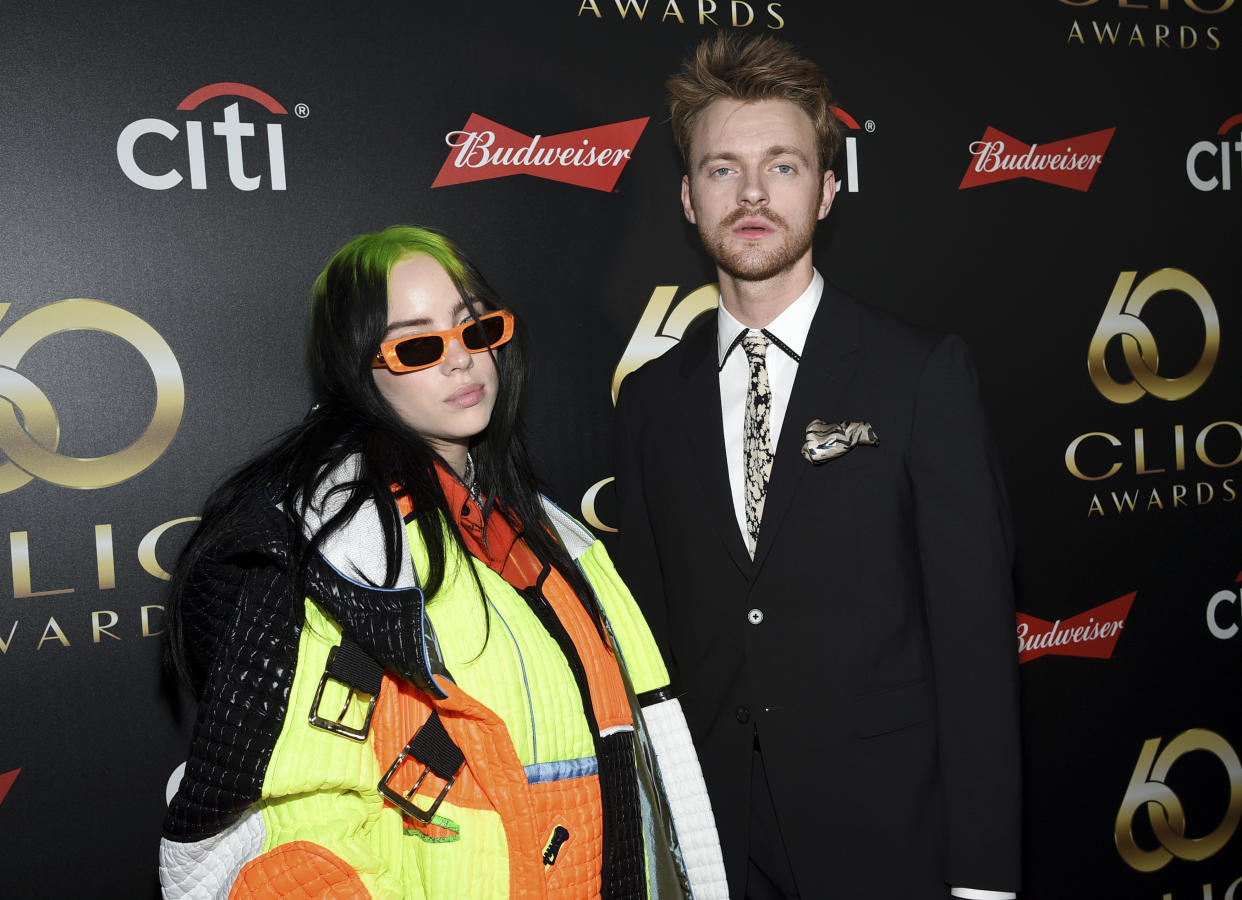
(757, 435)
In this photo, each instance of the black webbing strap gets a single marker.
(431, 747)
(353, 666)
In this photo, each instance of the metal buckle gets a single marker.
(402, 801)
(338, 726)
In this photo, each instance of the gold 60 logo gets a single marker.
(662, 325)
(664, 322)
(1147, 792)
(1122, 318)
(29, 426)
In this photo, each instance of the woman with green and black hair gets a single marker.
(418, 677)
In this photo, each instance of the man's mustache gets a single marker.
(761, 212)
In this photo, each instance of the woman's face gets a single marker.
(452, 401)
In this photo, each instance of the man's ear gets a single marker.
(686, 205)
(829, 192)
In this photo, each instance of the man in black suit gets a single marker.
(835, 604)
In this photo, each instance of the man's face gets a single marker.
(754, 188)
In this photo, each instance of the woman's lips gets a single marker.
(465, 396)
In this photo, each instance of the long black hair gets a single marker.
(351, 421)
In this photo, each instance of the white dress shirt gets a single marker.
(790, 328)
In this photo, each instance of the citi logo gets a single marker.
(850, 183)
(144, 155)
(1210, 164)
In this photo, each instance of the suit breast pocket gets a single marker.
(895, 708)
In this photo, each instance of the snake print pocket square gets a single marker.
(825, 441)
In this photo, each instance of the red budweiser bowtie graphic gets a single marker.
(6, 782)
(1070, 163)
(1092, 633)
(591, 158)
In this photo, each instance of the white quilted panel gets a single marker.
(576, 538)
(687, 799)
(352, 549)
(206, 869)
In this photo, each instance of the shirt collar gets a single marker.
(491, 542)
(790, 327)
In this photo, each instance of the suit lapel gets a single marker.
(704, 432)
(828, 359)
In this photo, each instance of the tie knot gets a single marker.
(756, 346)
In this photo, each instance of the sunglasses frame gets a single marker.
(386, 357)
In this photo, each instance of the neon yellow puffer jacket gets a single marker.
(563, 778)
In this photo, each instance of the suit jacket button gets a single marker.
(755, 616)
(742, 714)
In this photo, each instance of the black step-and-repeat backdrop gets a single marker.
(1059, 181)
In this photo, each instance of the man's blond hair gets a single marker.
(761, 68)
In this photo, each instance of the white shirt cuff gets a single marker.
(976, 894)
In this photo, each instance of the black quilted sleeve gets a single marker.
(241, 630)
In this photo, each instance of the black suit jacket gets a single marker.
(882, 677)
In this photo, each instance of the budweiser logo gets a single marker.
(1070, 163)
(592, 158)
(1092, 633)
(6, 782)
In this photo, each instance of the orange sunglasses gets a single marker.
(422, 351)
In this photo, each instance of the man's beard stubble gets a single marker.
(753, 264)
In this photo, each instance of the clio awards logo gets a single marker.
(708, 13)
(1153, 795)
(1149, 464)
(1136, 26)
(30, 425)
